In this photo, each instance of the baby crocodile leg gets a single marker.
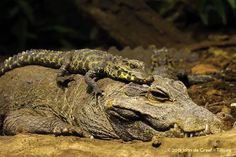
(30, 121)
(63, 77)
(90, 80)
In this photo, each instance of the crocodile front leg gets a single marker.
(29, 121)
(90, 80)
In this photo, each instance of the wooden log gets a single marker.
(133, 23)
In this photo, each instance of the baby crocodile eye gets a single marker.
(132, 66)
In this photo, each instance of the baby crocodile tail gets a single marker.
(46, 58)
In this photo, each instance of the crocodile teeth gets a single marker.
(176, 127)
(185, 135)
(207, 129)
(181, 133)
(191, 135)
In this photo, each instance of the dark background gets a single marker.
(69, 24)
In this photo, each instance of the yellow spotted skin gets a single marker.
(94, 63)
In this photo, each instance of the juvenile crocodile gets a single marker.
(165, 64)
(92, 63)
(32, 102)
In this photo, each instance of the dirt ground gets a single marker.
(222, 144)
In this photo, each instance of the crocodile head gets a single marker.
(128, 70)
(162, 109)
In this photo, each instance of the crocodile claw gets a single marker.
(64, 80)
(97, 91)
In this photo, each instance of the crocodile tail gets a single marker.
(46, 58)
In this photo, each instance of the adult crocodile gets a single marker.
(31, 102)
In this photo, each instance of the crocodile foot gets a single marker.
(63, 81)
(97, 91)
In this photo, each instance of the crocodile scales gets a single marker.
(92, 63)
(31, 102)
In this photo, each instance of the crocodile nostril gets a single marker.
(224, 116)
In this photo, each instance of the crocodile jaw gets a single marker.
(146, 120)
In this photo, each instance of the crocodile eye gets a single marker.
(158, 95)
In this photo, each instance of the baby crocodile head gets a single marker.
(165, 110)
(128, 70)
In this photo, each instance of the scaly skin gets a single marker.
(163, 63)
(32, 102)
(92, 63)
